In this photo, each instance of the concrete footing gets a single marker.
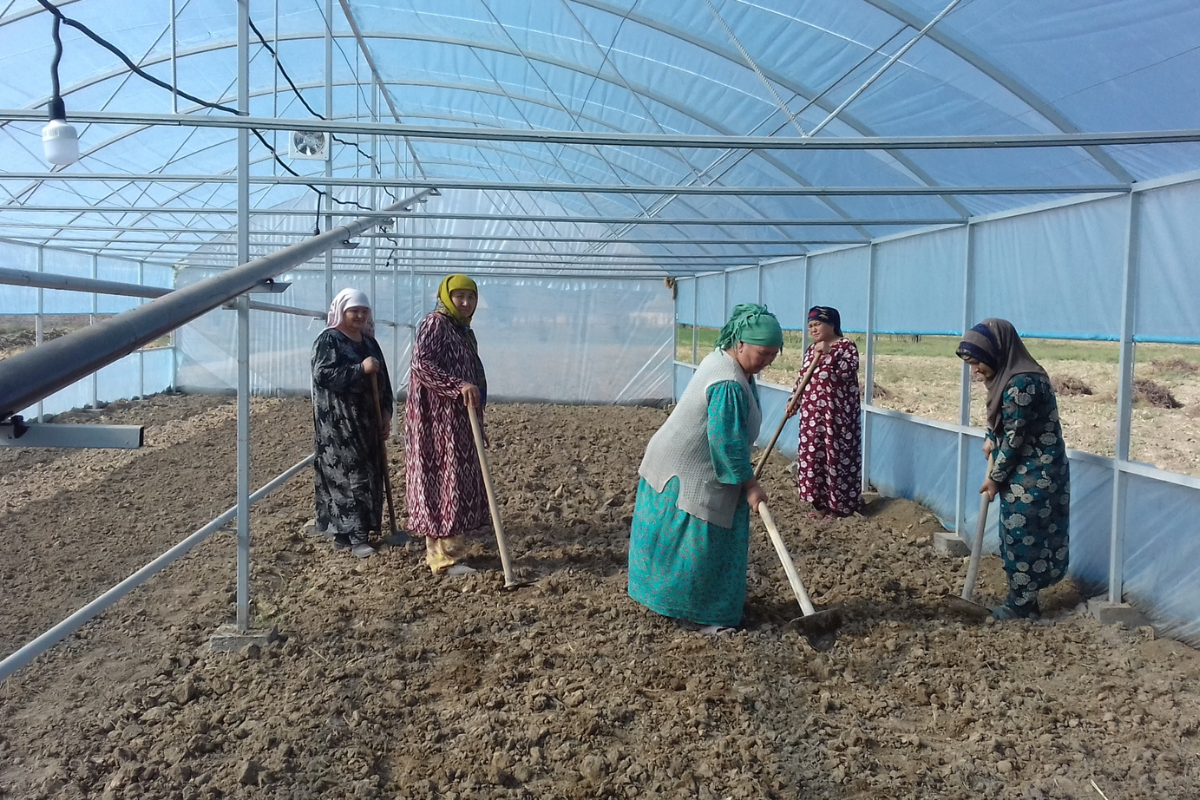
(1116, 613)
(947, 543)
(229, 639)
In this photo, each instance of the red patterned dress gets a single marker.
(444, 485)
(829, 457)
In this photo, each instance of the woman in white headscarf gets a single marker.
(347, 431)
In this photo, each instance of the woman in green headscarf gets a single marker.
(443, 482)
(690, 536)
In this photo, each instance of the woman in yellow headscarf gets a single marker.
(444, 485)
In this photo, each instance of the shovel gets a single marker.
(762, 461)
(819, 627)
(963, 604)
(510, 582)
(394, 538)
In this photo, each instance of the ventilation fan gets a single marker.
(309, 145)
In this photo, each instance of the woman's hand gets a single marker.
(987, 448)
(755, 495)
(370, 365)
(990, 488)
(470, 395)
(793, 404)
(821, 348)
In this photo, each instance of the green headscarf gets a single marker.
(752, 324)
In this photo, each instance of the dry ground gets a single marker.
(391, 683)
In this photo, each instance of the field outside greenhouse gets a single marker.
(920, 376)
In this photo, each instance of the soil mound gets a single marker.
(1147, 391)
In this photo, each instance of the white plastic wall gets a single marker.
(1057, 270)
(555, 340)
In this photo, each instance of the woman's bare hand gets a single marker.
(370, 365)
(470, 395)
(755, 494)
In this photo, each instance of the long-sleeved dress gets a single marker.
(1030, 464)
(829, 455)
(347, 436)
(682, 566)
(444, 484)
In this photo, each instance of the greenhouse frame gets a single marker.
(918, 165)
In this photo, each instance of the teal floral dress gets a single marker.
(1030, 464)
(682, 566)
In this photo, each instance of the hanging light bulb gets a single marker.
(60, 141)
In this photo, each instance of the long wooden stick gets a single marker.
(977, 543)
(383, 462)
(762, 461)
(789, 567)
(501, 544)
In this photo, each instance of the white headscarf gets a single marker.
(350, 298)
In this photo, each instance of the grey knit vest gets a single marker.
(680, 447)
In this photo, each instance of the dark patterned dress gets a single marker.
(682, 566)
(1030, 464)
(444, 485)
(829, 456)
(349, 484)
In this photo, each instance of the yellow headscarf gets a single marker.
(454, 283)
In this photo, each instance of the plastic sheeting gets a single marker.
(136, 375)
(547, 339)
(1057, 270)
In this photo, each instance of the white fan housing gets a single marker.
(309, 145)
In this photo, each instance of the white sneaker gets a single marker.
(363, 550)
(460, 569)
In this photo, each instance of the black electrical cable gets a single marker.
(60, 18)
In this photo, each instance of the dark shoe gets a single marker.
(341, 541)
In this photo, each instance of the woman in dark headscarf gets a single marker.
(348, 435)
(829, 455)
(690, 536)
(1029, 468)
(444, 485)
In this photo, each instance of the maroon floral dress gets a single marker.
(443, 481)
(829, 457)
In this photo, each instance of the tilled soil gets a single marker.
(388, 682)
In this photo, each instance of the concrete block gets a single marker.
(1113, 613)
(947, 543)
(229, 639)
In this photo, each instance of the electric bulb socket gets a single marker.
(57, 108)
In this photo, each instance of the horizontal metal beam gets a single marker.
(35, 374)
(732, 241)
(592, 188)
(474, 134)
(15, 433)
(47, 280)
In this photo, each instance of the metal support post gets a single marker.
(869, 372)
(695, 321)
(964, 384)
(806, 274)
(39, 332)
(141, 351)
(1116, 555)
(329, 155)
(243, 329)
(95, 380)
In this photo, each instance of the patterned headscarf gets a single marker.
(996, 344)
(349, 298)
(752, 324)
(827, 314)
(453, 283)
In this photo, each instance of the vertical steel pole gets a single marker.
(806, 274)
(695, 321)
(92, 321)
(964, 385)
(869, 372)
(329, 153)
(141, 353)
(243, 329)
(1116, 554)
(174, 61)
(39, 330)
